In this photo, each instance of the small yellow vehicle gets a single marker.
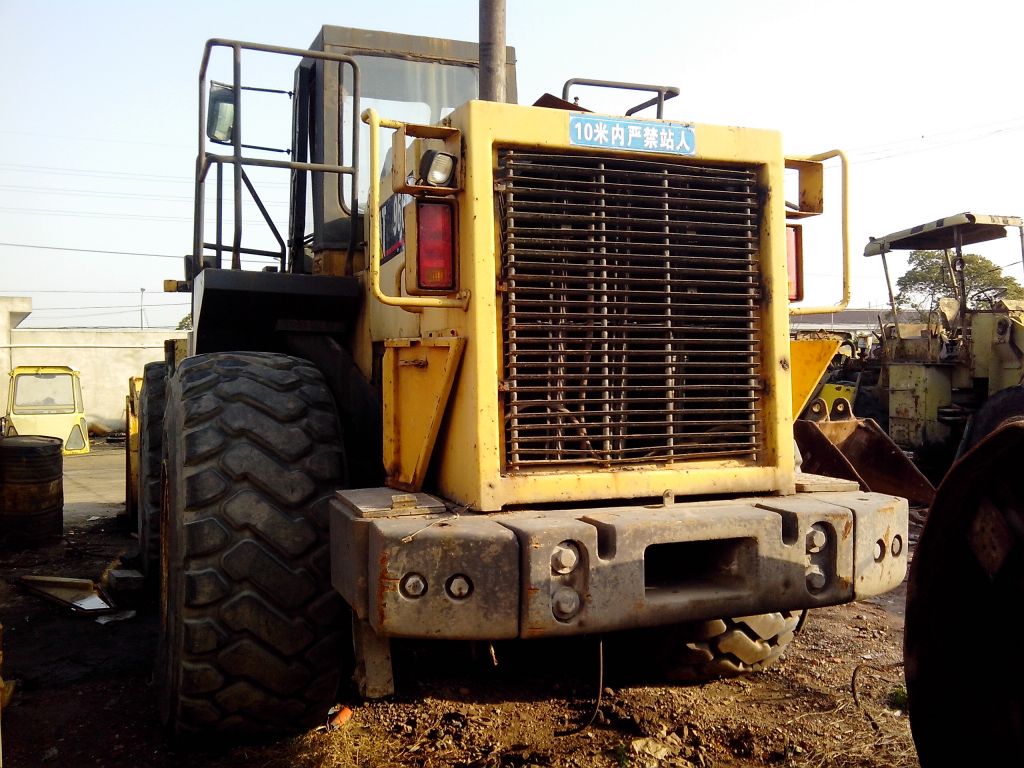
(47, 400)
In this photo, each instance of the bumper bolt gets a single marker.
(816, 540)
(565, 603)
(815, 579)
(565, 557)
(413, 585)
(459, 587)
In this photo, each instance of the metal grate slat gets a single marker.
(630, 295)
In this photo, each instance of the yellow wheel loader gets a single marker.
(511, 372)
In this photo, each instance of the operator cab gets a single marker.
(949, 235)
(345, 70)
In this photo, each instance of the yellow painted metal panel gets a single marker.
(810, 359)
(470, 448)
(418, 376)
(916, 392)
(689, 479)
(832, 392)
(131, 443)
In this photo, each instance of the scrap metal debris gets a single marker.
(82, 596)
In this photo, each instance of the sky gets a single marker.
(98, 118)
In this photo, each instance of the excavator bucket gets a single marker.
(839, 445)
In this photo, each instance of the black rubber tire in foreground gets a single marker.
(151, 426)
(1006, 405)
(966, 583)
(253, 633)
(701, 651)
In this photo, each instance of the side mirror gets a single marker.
(220, 114)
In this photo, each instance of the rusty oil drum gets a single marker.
(31, 490)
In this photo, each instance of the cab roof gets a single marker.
(941, 234)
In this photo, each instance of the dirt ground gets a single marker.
(85, 696)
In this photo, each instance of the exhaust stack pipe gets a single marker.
(492, 50)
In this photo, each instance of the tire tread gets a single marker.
(254, 610)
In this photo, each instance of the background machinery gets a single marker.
(47, 400)
(954, 396)
(930, 376)
(524, 374)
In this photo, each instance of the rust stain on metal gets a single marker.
(858, 449)
(384, 585)
(847, 529)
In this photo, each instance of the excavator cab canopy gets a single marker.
(943, 234)
(47, 400)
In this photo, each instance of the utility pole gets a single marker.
(142, 295)
(492, 50)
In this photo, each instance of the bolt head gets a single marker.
(565, 557)
(413, 585)
(459, 587)
(816, 540)
(565, 603)
(815, 579)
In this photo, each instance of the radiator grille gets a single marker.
(630, 310)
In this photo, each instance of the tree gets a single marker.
(928, 279)
(185, 324)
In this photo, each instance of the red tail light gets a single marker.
(435, 239)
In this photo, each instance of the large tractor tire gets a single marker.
(151, 426)
(965, 689)
(702, 651)
(254, 635)
(1006, 405)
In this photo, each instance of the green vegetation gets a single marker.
(928, 279)
(897, 698)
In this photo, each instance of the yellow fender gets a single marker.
(810, 359)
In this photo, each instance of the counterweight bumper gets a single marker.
(412, 567)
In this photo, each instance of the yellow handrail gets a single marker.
(461, 300)
(846, 235)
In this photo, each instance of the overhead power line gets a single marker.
(67, 137)
(96, 172)
(134, 307)
(1011, 123)
(105, 215)
(93, 250)
(247, 258)
(92, 193)
(101, 173)
(926, 143)
(119, 195)
(59, 290)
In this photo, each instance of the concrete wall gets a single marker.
(107, 359)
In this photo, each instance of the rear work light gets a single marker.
(437, 168)
(435, 240)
